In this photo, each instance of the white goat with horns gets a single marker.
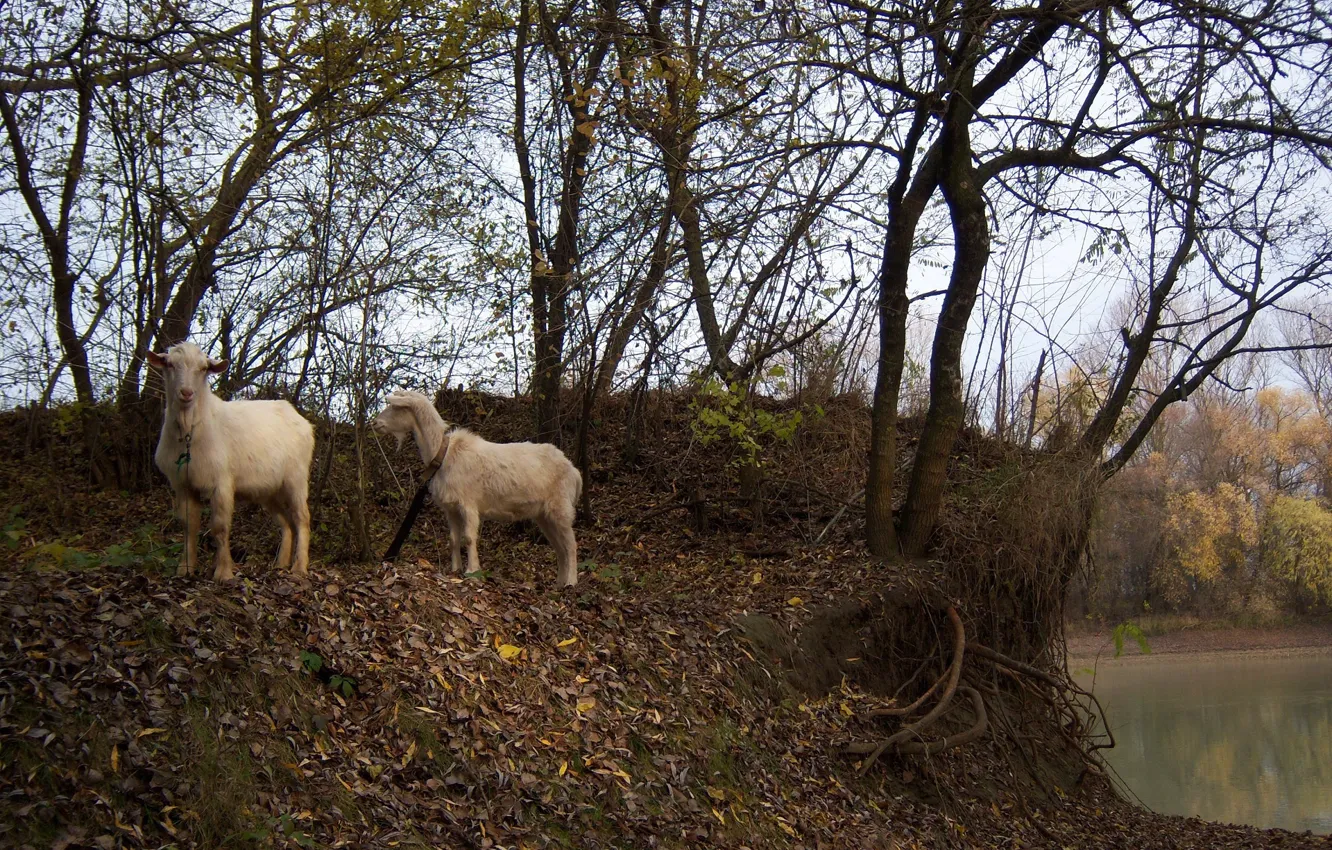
(259, 451)
(484, 480)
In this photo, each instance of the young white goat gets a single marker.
(219, 450)
(484, 480)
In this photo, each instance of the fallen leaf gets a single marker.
(509, 652)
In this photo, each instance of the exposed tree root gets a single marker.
(1061, 687)
(929, 748)
(1059, 693)
(913, 730)
(910, 709)
(1012, 664)
(973, 734)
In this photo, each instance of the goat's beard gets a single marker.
(185, 416)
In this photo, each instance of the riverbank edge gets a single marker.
(1097, 647)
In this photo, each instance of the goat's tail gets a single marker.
(580, 510)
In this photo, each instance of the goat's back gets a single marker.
(507, 481)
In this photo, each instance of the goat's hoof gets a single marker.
(220, 576)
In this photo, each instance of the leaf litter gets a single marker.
(137, 711)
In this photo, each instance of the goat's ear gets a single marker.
(216, 366)
(397, 399)
(157, 361)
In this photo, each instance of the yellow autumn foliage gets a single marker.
(1297, 544)
(1296, 436)
(1217, 512)
(1064, 410)
(1206, 534)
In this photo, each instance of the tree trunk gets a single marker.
(943, 421)
(215, 226)
(751, 490)
(905, 208)
(624, 329)
(55, 235)
(880, 532)
(356, 510)
(552, 279)
(633, 417)
(55, 239)
(1035, 399)
(584, 453)
(548, 326)
(686, 212)
(76, 355)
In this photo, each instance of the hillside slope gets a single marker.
(696, 689)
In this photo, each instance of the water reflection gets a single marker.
(1234, 739)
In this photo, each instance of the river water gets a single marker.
(1239, 739)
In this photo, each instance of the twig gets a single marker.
(837, 516)
(681, 502)
(919, 670)
(389, 464)
(675, 502)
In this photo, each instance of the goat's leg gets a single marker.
(223, 504)
(455, 539)
(567, 551)
(470, 526)
(559, 532)
(299, 518)
(191, 513)
(279, 510)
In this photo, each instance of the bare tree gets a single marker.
(955, 65)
